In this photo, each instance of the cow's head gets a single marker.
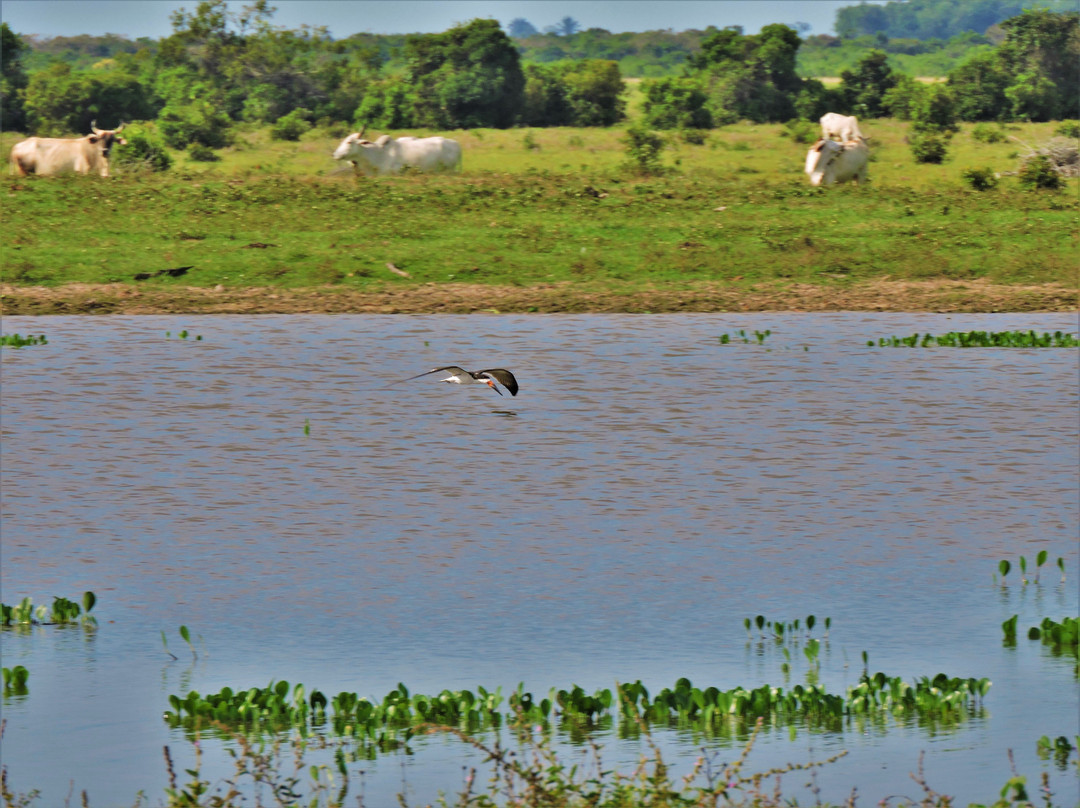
(106, 137)
(819, 157)
(355, 148)
(352, 147)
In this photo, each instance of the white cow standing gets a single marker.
(843, 127)
(389, 156)
(829, 162)
(48, 156)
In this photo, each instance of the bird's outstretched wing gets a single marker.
(503, 377)
(453, 370)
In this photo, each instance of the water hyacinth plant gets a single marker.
(385, 725)
(740, 336)
(17, 341)
(15, 681)
(981, 339)
(1005, 566)
(62, 612)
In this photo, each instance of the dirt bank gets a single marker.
(882, 295)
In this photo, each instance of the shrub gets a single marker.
(643, 147)
(144, 149)
(987, 133)
(291, 126)
(202, 154)
(1037, 173)
(801, 131)
(197, 122)
(980, 179)
(529, 142)
(928, 147)
(695, 137)
(1068, 129)
(676, 103)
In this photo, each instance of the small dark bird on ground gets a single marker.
(462, 376)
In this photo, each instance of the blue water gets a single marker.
(647, 490)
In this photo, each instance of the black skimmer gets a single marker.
(488, 377)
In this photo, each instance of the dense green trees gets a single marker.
(13, 79)
(586, 93)
(929, 19)
(62, 101)
(1032, 75)
(466, 77)
(221, 67)
(862, 90)
(734, 76)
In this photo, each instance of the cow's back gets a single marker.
(429, 153)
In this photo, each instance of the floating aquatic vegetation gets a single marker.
(981, 339)
(740, 336)
(62, 612)
(183, 334)
(779, 629)
(384, 725)
(18, 341)
(15, 681)
(1063, 638)
(1005, 566)
(1058, 747)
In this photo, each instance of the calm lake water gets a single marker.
(647, 490)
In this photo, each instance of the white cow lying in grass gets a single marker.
(829, 162)
(389, 156)
(843, 127)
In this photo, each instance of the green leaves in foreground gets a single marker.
(981, 339)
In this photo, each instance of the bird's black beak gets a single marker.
(491, 384)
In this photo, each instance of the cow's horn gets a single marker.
(93, 127)
(121, 126)
(363, 130)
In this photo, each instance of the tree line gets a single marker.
(1030, 75)
(219, 68)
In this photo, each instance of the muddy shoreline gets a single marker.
(881, 295)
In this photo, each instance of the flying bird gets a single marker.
(488, 377)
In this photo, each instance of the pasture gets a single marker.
(551, 209)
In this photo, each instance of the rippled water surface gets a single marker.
(647, 490)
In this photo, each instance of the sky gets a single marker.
(135, 18)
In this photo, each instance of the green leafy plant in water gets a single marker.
(186, 635)
(1058, 747)
(62, 612)
(165, 645)
(1063, 638)
(1040, 559)
(17, 341)
(981, 339)
(741, 336)
(1009, 629)
(15, 681)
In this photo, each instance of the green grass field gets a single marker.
(736, 210)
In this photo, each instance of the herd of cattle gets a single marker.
(829, 161)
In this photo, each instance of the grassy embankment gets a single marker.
(546, 220)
